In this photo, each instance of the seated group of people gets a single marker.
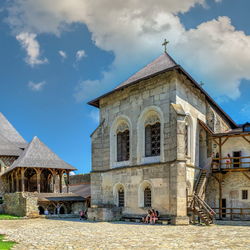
(151, 217)
(83, 215)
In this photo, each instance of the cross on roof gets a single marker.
(165, 43)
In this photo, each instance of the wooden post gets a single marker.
(12, 183)
(38, 179)
(53, 181)
(17, 182)
(60, 181)
(220, 197)
(220, 153)
(22, 180)
(67, 181)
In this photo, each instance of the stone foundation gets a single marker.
(180, 220)
(104, 214)
(21, 204)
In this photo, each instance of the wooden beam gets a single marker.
(246, 139)
(224, 141)
(248, 177)
(216, 141)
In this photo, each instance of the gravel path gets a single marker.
(75, 234)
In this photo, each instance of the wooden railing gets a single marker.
(233, 213)
(231, 162)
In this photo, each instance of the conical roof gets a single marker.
(10, 133)
(38, 155)
(8, 149)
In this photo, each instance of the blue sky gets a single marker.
(56, 57)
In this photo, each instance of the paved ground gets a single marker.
(73, 234)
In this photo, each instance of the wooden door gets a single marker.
(236, 162)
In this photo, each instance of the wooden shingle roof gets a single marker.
(8, 149)
(38, 155)
(10, 133)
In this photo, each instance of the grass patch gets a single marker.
(8, 217)
(5, 245)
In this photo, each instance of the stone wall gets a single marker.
(79, 179)
(166, 191)
(21, 204)
(131, 102)
(76, 207)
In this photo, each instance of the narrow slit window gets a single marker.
(147, 197)
(121, 197)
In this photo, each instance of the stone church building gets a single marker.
(164, 143)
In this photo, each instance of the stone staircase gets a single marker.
(196, 202)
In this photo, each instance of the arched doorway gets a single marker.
(30, 180)
(62, 210)
(41, 210)
(46, 181)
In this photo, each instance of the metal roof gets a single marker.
(38, 155)
(10, 133)
(162, 64)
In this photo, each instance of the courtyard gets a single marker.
(75, 234)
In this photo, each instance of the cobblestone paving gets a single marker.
(75, 234)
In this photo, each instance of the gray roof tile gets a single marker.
(38, 155)
(163, 62)
(10, 133)
(8, 149)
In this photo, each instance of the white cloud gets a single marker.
(36, 86)
(245, 110)
(214, 51)
(80, 54)
(62, 54)
(30, 44)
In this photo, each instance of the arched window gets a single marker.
(121, 197)
(122, 142)
(188, 137)
(147, 197)
(153, 140)
(152, 136)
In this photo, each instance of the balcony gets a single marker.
(227, 164)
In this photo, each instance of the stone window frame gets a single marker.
(120, 123)
(116, 189)
(144, 119)
(145, 184)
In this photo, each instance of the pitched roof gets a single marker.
(82, 189)
(10, 133)
(38, 155)
(162, 64)
(8, 148)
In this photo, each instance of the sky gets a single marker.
(55, 56)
